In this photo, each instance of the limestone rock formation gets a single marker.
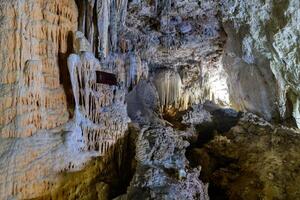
(197, 115)
(35, 36)
(143, 103)
(162, 169)
(262, 56)
(133, 99)
(185, 37)
(169, 87)
(100, 109)
(252, 160)
(104, 32)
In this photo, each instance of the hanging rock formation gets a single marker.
(102, 21)
(169, 87)
(185, 36)
(100, 109)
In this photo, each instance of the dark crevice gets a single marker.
(222, 121)
(64, 75)
(114, 170)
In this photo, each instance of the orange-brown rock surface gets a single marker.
(34, 37)
(72, 72)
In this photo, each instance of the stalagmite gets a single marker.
(124, 99)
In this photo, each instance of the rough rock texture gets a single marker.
(34, 101)
(102, 177)
(162, 170)
(53, 165)
(184, 38)
(35, 36)
(148, 60)
(254, 160)
(262, 56)
(100, 109)
(102, 22)
(143, 103)
(197, 115)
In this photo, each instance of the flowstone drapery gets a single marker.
(35, 36)
(100, 109)
(169, 87)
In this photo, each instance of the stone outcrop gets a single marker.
(162, 170)
(254, 159)
(262, 56)
(35, 36)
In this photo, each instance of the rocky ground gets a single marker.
(205, 153)
(252, 160)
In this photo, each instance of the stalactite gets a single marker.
(103, 16)
(136, 70)
(169, 87)
(101, 22)
(100, 109)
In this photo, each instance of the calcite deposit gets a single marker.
(34, 35)
(184, 38)
(149, 99)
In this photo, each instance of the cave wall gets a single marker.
(184, 38)
(35, 36)
(262, 56)
(39, 140)
(142, 43)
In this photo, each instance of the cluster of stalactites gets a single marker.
(169, 87)
(100, 109)
(175, 95)
(100, 124)
(103, 32)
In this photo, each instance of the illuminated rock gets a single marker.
(35, 35)
(100, 109)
